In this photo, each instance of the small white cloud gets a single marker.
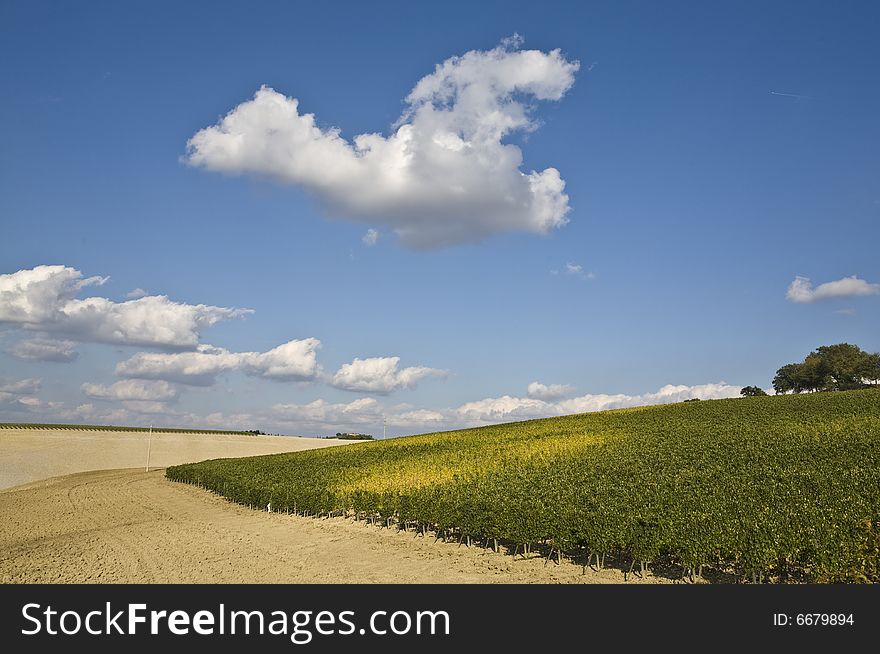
(380, 375)
(136, 293)
(131, 390)
(574, 270)
(43, 299)
(801, 289)
(445, 176)
(539, 391)
(370, 238)
(295, 360)
(43, 349)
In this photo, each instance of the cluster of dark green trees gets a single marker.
(752, 391)
(838, 367)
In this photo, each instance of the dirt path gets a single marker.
(132, 526)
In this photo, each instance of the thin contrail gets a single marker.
(791, 95)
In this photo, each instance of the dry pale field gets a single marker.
(104, 523)
(28, 455)
(134, 526)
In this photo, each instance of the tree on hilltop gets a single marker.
(752, 391)
(829, 368)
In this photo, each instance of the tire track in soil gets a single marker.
(116, 538)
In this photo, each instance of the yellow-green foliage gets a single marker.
(758, 484)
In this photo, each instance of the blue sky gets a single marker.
(711, 154)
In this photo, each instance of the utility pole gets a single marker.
(384, 426)
(149, 447)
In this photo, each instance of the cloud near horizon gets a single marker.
(801, 290)
(365, 410)
(321, 416)
(20, 387)
(539, 391)
(44, 299)
(501, 409)
(21, 396)
(368, 412)
(443, 177)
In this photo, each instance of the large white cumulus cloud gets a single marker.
(44, 299)
(443, 177)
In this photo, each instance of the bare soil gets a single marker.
(130, 526)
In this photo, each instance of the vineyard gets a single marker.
(24, 425)
(783, 488)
